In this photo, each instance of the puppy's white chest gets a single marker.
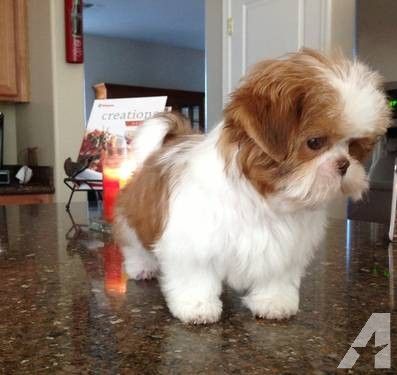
(270, 246)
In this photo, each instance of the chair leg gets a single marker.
(70, 199)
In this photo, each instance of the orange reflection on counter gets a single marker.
(115, 277)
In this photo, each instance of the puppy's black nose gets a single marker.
(342, 165)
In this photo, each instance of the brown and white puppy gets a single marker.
(245, 204)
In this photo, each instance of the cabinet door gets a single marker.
(14, 80)
(8, 73)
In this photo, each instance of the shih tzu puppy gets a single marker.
(245, 204)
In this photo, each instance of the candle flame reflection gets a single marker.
(115, 277)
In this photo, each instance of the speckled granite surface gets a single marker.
(63, 310)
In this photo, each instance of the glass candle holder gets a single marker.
(118, 166)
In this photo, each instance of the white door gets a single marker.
(259, 29)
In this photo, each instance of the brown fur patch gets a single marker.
(179, 125)
(144, 202)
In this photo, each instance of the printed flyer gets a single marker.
(114, 118)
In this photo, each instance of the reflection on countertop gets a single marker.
(66, 307)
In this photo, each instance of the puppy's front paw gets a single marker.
(196, 311)
(275, 306)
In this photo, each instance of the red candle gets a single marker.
(111, 187)
(115, 277)
(118, 166)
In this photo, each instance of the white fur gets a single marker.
(221, 230)
(148, 137)
(320, 181)
(362, 101)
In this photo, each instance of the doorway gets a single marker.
(144, 43)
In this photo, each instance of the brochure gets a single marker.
(113, 118)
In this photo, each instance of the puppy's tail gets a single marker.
(157, 131)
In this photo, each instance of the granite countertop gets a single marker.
(65, 308)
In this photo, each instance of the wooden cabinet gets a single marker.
(14, 72)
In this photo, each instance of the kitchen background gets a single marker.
(61, 93)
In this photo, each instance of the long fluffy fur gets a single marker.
(245, 204)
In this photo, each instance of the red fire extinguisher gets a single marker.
(74, 31)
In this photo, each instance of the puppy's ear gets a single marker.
(268, 107)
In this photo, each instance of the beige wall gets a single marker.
(377, 30)
(53, 120)
(213, 62)
(68, 100)
(10, 133)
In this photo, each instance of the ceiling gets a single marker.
(178, 23)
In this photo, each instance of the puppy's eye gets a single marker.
(316, 143)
